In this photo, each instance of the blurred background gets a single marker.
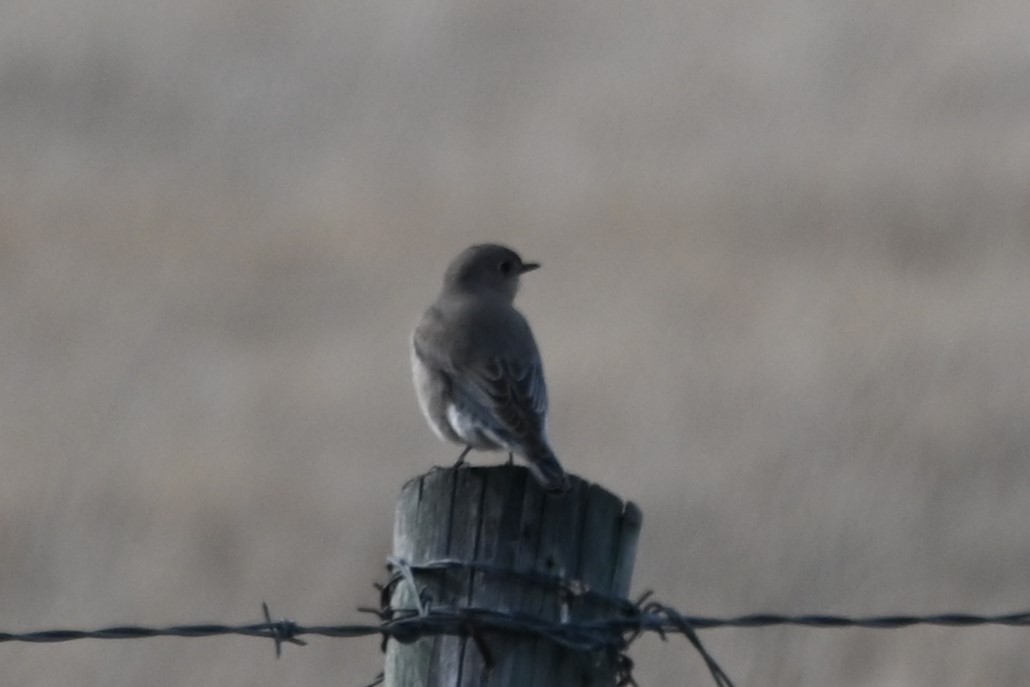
(785, 307)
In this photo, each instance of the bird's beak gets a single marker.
(529, 267)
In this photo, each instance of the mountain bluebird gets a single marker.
(478, 373)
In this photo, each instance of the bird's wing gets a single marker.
(507, 393)
(501, 383)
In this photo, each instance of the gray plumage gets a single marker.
(478, 373)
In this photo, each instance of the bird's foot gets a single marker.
(461, 459)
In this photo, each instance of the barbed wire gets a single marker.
(657, 621)
(409, 624)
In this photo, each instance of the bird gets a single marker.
(477, 370)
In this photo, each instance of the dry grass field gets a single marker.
(785, 307)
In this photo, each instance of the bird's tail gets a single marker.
(546, 469)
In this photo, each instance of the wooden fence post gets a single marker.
(499, 518)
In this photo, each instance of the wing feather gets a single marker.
(504, 388)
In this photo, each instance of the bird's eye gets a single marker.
(505, 267)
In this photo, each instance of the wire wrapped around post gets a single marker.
(489, 540)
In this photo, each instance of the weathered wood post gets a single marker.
(497, 519)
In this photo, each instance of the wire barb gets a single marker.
(281, 631)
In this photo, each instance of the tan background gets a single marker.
(785, 306)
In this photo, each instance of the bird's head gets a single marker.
(486, 268)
